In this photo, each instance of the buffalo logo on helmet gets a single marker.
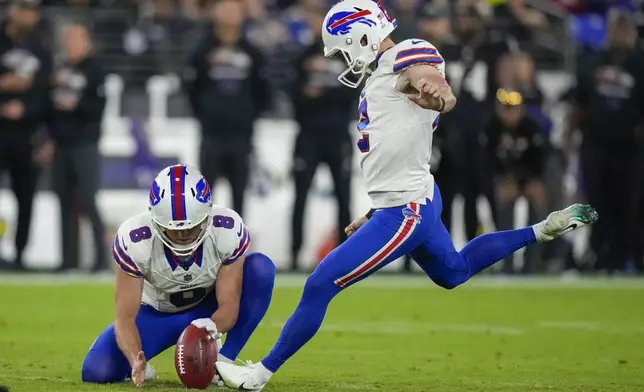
(155, 194)
(340, 23)
(203, 191)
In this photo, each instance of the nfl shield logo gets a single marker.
(187, 277)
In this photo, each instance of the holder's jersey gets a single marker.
(170, 284)
(395, 133)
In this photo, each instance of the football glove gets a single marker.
(209, 326)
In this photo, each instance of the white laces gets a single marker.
(246, 363)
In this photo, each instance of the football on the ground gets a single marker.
(194, 358)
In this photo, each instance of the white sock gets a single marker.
(263, 374)
(221, 358)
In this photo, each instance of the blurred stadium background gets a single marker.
(534, 47)
(563, 67)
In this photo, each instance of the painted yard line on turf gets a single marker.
(379, 281)
(483, 282)
(354, 387)
(405, 328)
(7, 377)
(348, 352)
(590, 326)
(410, 328)
(369, 387)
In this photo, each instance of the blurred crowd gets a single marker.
(240, 60)
(140, 38)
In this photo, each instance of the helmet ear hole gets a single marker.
(364, 41)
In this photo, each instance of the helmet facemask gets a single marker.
(364, 54)
(182, 250)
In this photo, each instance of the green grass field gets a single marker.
(390, 334)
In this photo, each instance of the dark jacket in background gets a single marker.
(507, 23)
(324, 108)
(224, 86)
(534, 100)
(84, 82)
(26, 57)
(335, 107)
(610, 95)
(489, 53)
(517, 152)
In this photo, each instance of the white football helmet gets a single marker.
(356, 28)
(180, 200)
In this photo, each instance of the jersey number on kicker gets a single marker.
(363, 142)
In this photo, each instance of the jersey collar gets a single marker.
(377, 61)
(174, 261)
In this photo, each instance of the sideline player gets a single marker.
(185, 261)
(396, 136)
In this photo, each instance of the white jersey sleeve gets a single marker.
(411, 52)
(131, 251)
(232, 237)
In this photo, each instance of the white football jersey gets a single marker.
(395, 133)
(171, 285)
